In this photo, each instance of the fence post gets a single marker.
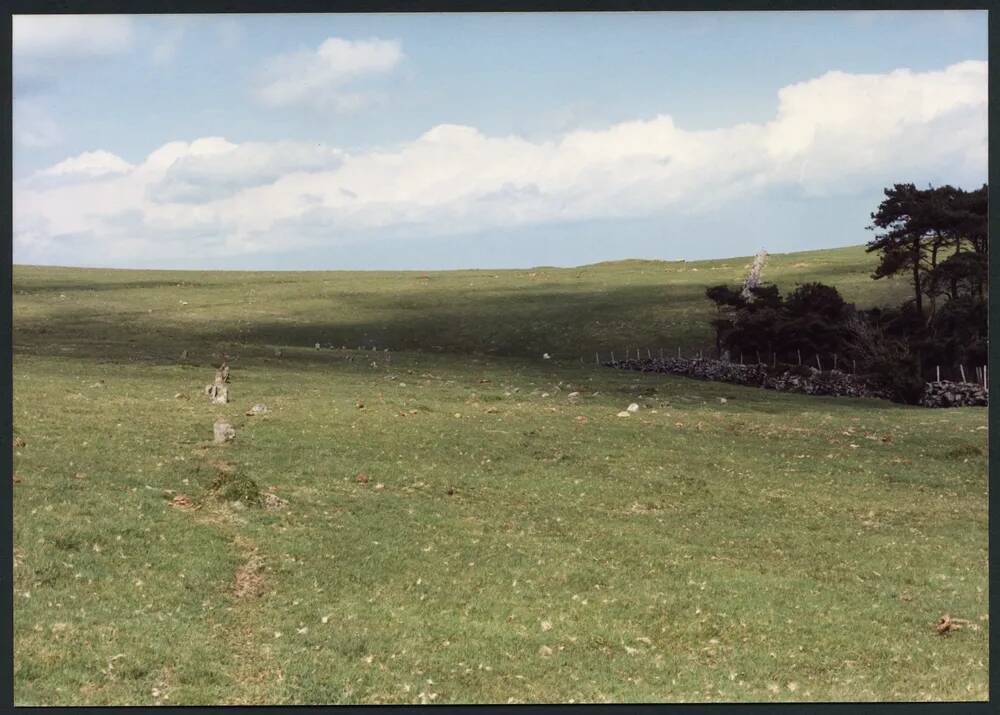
(741, 357)
(938, 367)
(835, 361)
(649, 355)
(758, 357)
(818, 363)
(961, 369)
(854, 366)
(678, 351)
(799, 353)
(985, 382)
(613, 357)
(597, 359)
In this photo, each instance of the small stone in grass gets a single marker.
(223, 431)
(362, 478)
(624, 413)
(273, 501)
(545, 651)
(19, 442)
(633, 407)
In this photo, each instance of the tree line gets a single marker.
(937, 239)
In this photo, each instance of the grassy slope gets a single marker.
(751, 550)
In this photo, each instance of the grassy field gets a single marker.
(511, 544)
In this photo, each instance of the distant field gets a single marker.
(511, 543)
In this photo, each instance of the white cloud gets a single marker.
(64, 37)
(90, 164)
(318, 77)
(834, 134)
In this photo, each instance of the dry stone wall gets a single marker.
(807, 380)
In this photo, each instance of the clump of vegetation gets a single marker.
(231, 485)
(936, 236)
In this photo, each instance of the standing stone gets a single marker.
(224, 431)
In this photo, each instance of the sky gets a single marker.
(438, 141)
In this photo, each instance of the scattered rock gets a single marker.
(182, 501)
(546, 356)
(99, 384)
(184, 355)
(624, 413)
(79, 475)
(362, 478)
(573, 395)
(180, 396)
(19, 442)
(317, 346)
(633, 407)
(380, 485)
(723, 400)
(360, 405)
(224, 431)
(259, 409)
(278, 352)
(273, 501)
(545, 651)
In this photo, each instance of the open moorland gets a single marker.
(426, 514)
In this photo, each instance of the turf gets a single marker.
(511, 543)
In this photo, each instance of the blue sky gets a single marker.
(441, 141)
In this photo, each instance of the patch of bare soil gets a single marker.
(946, 624)
(182, 501)
(249, 579)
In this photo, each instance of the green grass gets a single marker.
(521, 546)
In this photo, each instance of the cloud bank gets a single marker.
(835, 134)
